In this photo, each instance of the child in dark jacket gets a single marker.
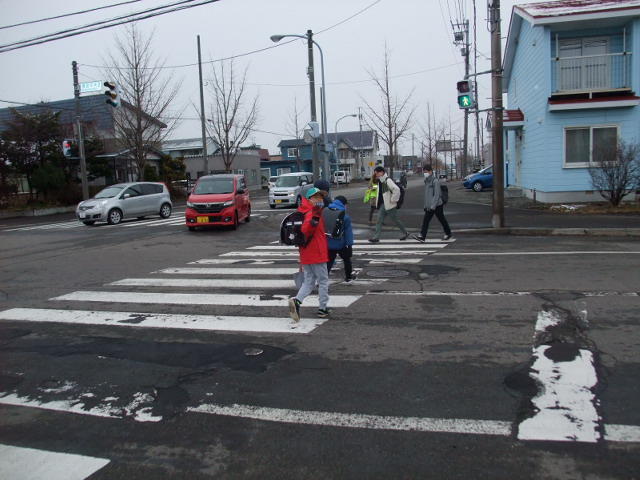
(313, 256)
(342, 246)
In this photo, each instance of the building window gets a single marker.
(586, 64)
(292, 152)
(283, 170)
(582, 144)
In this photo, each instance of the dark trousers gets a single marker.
(428, 215)
(345, 254)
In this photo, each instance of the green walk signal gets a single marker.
(465, 99)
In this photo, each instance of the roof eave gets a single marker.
(577, 17)
(515, 24)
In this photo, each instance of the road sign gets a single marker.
(86, 87)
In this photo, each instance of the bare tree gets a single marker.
(394, 116)
(295, 128)
(146, 93)
(232, 117)
(616, 171)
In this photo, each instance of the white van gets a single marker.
(341, 176)
(287, 190)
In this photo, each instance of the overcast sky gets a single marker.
(417, 32)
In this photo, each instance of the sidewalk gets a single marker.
(466, 215)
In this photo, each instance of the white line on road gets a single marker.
(432, 293)
(229, 261)
(230, 271)
(161, 320)
(357, 420)
(260, 253)
(397, 260)
(622, 433)
(336, 301)
(368, 246)
(18, 463)
(225, 282)
(571, 252)
(390, 240)
(565, 403)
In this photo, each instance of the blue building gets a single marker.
(571, 70)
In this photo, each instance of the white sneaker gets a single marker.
(349, 282)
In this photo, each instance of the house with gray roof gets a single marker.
(98, 119)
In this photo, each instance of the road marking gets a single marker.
(47, 226)
(335, 301)
(390, 240)
(230, 271)
(433, 293)
(565, 403)
(622, 433)
(225, 282)
(87, 405)
(162, 320)
(358, 420)
(259, 253)
(146, 223)
(368, 246)
(21, 463)
(229, 261)
(572, 252)
(397, 260)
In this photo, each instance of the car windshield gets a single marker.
(109, 192)
(208, 186)
(288, 181)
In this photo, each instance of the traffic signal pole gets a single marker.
(83, 160)
(497, 219)
(465, 157)
(312, 94)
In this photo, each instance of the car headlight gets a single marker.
(292, 194)
(190, 205)
(228, 204)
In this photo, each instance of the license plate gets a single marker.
(202, 220)
(279, 201)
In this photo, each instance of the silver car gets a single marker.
(126, 200)
(288, 189)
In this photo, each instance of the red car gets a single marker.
(218, 200)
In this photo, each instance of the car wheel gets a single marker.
(235, 221)
(192, 229)
(477, 187)
(272, 206)
(248, 219)
(89, 222)
(114, 216)
(165, 210)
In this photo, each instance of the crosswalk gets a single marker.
(244, 291)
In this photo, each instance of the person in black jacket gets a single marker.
(433, 205)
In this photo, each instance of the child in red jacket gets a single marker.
(313, 256)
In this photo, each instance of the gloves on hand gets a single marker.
(315, 221)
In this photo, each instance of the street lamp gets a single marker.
(335, 148)
(323, 100)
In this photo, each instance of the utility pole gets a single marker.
(83, 160)
(312, 95)
(465, 160)
(205, 159)
(475, 81)
(497, 219)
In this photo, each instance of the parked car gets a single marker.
(126, 200)
(272, 182)
(218, 200)
(480, 180)
(287, 190)
(341, 176)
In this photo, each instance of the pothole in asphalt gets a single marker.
(386, 273)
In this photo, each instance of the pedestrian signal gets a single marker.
(465, 95)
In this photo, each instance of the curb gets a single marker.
(37, 212)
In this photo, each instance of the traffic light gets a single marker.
(113, 94)
(67, 146)
(465, 96)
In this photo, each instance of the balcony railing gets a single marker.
(591, 73)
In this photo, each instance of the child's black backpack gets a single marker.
(333, 222)
(291, 230)
(444, 194)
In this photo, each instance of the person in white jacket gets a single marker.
(387, 201)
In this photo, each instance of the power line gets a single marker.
(245, 54)
(124, 19)
(68, 14)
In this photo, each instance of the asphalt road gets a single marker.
(144, 350)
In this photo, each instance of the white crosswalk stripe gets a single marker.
(221, 283)
(359, 246)
(294, 254)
